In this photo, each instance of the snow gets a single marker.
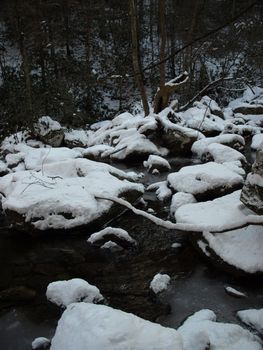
(200, 147)
(161, 189)
(201, 331)
(37, 159)
(162, 117)
(115, 231)
(45, 124)
(248, 95)
(176, 245)
(77, 137)
(111, 246)
(197, 179)
(217, 148)
(257, 142)
(179, 199)
(97, 151)
(200, 118)
(88, 327)
(224, 213)
(222, 153)
(66, 187)
(64, 293)
(131, 141)
(232, 291)
(40, 343)
(242, 248)
(253, 318)
(154, 161)
(160, 283)
(3, 167)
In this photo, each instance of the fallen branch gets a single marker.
(250, 219)
(207, 87)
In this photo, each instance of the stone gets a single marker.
(252, 192)
(49, 131)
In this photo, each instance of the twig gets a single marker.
(208, 86)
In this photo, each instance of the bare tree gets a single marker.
(136, 59)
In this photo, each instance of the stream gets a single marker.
(29, 264)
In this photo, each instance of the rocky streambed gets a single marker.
(28, 265)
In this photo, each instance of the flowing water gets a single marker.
(122, 276)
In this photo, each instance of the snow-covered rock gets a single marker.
(200, 147)
(160, 283)
(88, 327)
(241, 248)
(156, 162)
(200, 118)
(66, 195)
(201, 331)
(220, 214)
(3, 168)
(177, 138)
(257, 142)
(76, 138)
(64, 293)
(161, 189)
(179, 199)
(252, 192)
(49, 131)
(253, 318)
(40, 343)
(205, 180)
(115, 234)
(234, 292)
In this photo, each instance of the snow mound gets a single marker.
(89, 327)
(179, 199)
(201, 331)
(161, 189)
(156, 162)
(257, 142)
(111, 231)
(66, 195)
(224, 213)
(200, 147)
(64, 293)
(45, 124)
(235, 293)
(160, 283)
(40, 343)
(253, 318)
(242, 248)
(201, 178)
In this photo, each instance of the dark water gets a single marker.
(123, 277)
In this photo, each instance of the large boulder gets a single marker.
(49, 131)
(252, 192)
(68, 196)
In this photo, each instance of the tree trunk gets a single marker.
(136, 56)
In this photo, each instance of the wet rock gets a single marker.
(247, 108)
(252, 192)
(178, 142)
(16, 295)
(49, 131)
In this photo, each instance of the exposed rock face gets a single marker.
(252, 193)
(49, 131)
(177, 141)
